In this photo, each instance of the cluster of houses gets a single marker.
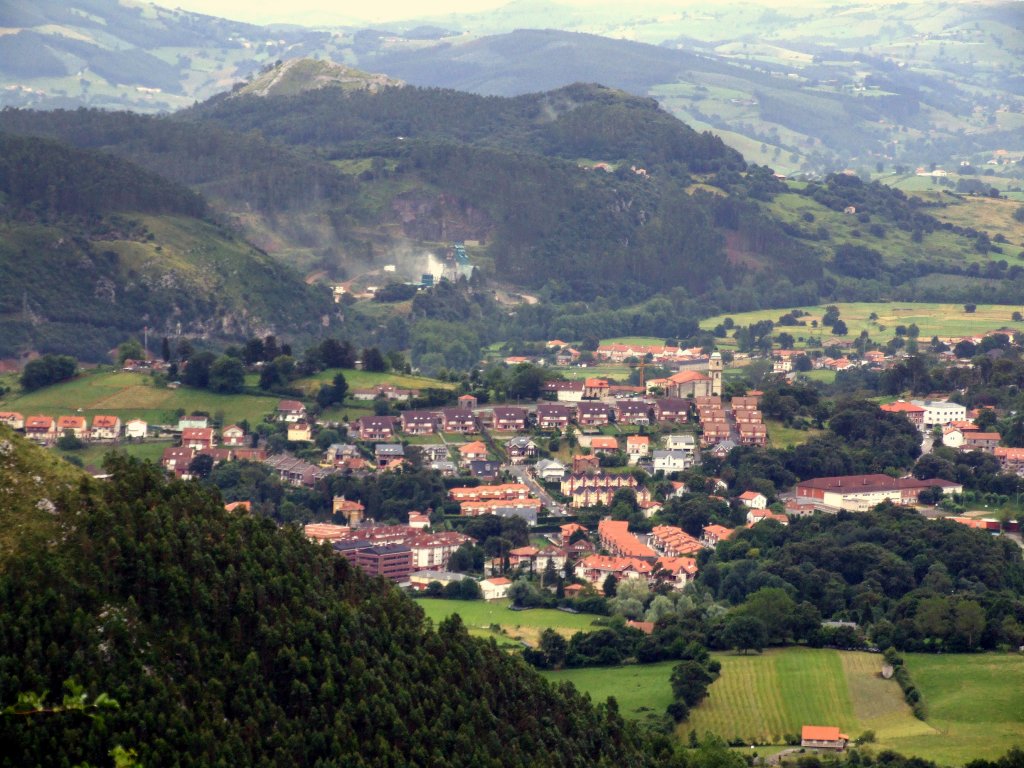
(725, 427)
(46, 430)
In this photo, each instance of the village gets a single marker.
(566, 457)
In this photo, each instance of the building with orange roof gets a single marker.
(616, 538)
(105, 427)
(913, 413)
(603, 444)
(672, 541)
(474, 451)
(823, 737)
(637, 446)
(567, 531)
(596, 568)
(756, 516)
(12, 419)
(595, 389)
(713, 534)
(238, 506)
(680, 570)
(488, 492)
(74, 424)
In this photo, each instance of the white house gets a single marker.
(685, 442)
(136, 429)
(495, 588)
(754, 500)
(549, 470)
(672, 461)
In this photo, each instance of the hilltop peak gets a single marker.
(299, 75)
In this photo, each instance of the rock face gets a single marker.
(440, 217)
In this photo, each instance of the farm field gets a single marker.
(133, 395)
(640, 690)
(764, 697)
(943, 320)
(479, 615)
(975, 703)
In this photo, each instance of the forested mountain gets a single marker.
(94, 248)
(578, 193)
(226, 640)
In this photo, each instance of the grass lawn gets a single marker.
(943, 320)
(766, 696)
(975, 703)
(366, 379)
(479, 615)
(781, 436)
(131, 396)
(640, 689)
(617, 371)
(150, 450)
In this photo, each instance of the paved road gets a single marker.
(519, 472)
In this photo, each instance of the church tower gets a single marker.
(715, 369)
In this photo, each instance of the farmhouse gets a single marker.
(495, 588)
(822, 737)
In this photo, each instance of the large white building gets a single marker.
(939, 413)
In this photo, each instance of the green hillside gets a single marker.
(226, 640)
(94, 248)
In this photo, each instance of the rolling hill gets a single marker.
(95, 248)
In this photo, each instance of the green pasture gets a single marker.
(943, 320)
(366, 379)
(639, 689)
(134, 396)
(975, 706)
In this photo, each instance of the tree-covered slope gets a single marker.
(228, 641)
(94, 248)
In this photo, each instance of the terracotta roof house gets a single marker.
(981, 441)
(290, 410)
(637, 446)
(197, 438)
(822, 737)
(604, 444)
(74, 424)
(473, 451)
(12, 419)
(616, 538)
(105, 427)
(914, 413)
(713, 534)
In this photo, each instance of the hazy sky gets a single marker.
(321, 11)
